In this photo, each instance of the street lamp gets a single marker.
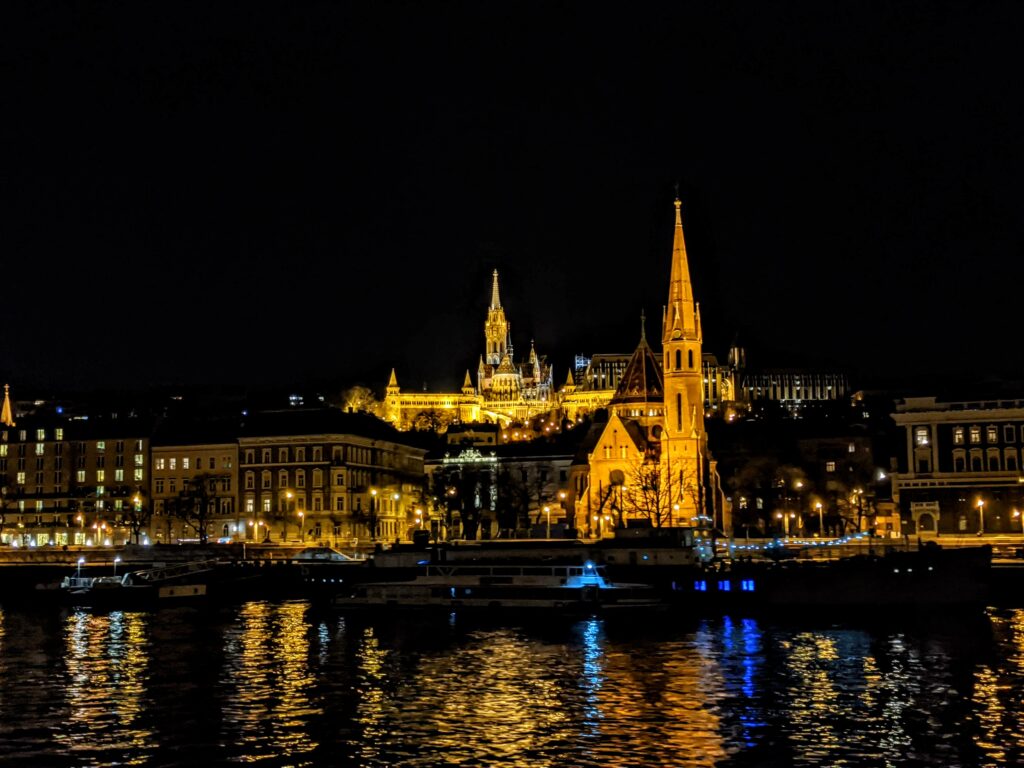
(1016, 516)
(547, 512)
(302, 526)
(373, 514)
(117, 560)
(981, 517)
(821, 520)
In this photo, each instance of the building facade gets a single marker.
(178, 464)
(960, 472)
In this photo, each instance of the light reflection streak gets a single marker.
(268, 707)
(106, 659)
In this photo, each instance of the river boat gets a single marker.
(518, 586)
(155, 586)
(929, 578)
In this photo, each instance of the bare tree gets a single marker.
(657, 491)
(137, 515)
(197, 502)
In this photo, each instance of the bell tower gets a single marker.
(684, 440)
(496, 329)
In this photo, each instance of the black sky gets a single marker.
(256, 193)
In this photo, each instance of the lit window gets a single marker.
(184, 462)
(250, 506)
(118, 475)
(172, 463)
(138, 474)
(21, 478)
(99, 490)
(159, 463)
(958, 435)
(100, 475)
(830, 466)
(40, 434)
(80, 476)
(101, 445)
(921, 436)
(991, 434)
(40, 449)
(851, 448)
(3, 449)
(139, 459)
(975, 434)
(266, 505)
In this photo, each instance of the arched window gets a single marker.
(679, 359)
(679, 412)
(689, 358)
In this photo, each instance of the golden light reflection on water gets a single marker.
(106, 659)
(267, 705)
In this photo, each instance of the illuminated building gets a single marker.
(72, 482)
(960, 471)
(649, 460)
(327, 477)
(505, 391)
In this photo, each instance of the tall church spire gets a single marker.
(680, 317)
(495, 298)
(7, 414)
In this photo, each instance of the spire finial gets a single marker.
(643, 325)
(495, 298)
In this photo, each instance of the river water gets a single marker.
(291, 684)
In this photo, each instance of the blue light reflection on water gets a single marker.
(287, 684)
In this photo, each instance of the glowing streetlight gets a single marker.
(117, 560)
(547, 513)
(302, 526)
(981, 517)
(821, 519)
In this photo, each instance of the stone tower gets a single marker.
(496, 329)
(683, 439)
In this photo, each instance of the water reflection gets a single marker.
(106, 658)
(267, 681)
(281, 684)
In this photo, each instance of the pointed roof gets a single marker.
(7, 413)
(468, 382)
(641, 381)
(495, 298)
(680, 314)
(505, 366)
(393, 381)
(569, 380)
(533, 354)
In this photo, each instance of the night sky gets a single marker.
(311, 193)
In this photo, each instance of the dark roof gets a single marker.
(196, 431)
(641, 382)
(322, 421)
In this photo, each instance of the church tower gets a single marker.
(683, 439)
(496, 330)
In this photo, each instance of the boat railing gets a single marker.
(166, 573)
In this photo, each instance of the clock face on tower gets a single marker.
(677, 334)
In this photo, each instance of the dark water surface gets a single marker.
(288, 684)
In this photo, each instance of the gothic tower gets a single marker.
(496, 329)
(683, 439)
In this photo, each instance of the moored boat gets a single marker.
(504, 586)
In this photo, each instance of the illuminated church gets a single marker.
(505, 391)
(649, 461)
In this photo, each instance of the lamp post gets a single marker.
(302, 526)
(547, 513)
(117, 560)
(821, 520)
(981, 517)
(373, 514)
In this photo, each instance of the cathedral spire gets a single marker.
(7, 414)
(680, 319)
(393, 380)
(495, 298)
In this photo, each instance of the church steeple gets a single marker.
(467, 385)
(680, 319)
(497, 332)
(7, 413)
(495, 298)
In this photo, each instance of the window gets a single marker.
(300, 478)
(1010, 460)
(975, 434)
(58, 433)
(101, 445)
(689, 358)
(118, 475)
(137, 474)
(991, 434)
(139, 459)
(213, 463)
(830, 466)
(679, 359)
(40, 434)
(339, 479)
(1009, 433)
(250, 505)
(80, 476)
(282, 454)
(265, 479)
(959, 461)
(172, 463)
(266, 455)
(119, 446)
(225, 461)
(100, 490)
(282, 478)
(300, 454)
(22, 435)
(921, 436)
(138, 446)
(250, 457)
(159, 463)
(160, 485)
(172, 485)
(250, 481)
(339, 504)
(317, 504)
(100, 475)
(100, 461)
(3, 449)
(679, 413)
(266, 505)
(958, 435)
(851, 448)
(317, 453)
(184, 462)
